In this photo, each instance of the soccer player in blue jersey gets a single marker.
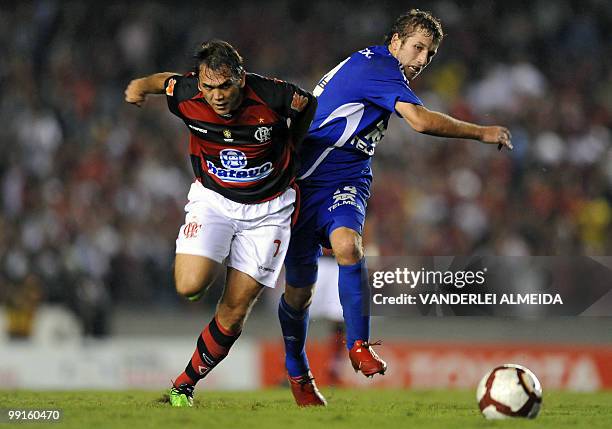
(355, 100)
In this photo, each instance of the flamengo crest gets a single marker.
(263, 134)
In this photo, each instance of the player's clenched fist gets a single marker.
(134, 93)
(497, 135)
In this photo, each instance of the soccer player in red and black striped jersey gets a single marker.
(244, 129)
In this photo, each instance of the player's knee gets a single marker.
(299, 298)
(347, 247)
(189, 284)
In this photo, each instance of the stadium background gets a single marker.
(92, 190)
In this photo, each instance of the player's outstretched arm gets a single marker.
(138, 89)
(438, 124)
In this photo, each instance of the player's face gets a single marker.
(413, 52)
(220, 89)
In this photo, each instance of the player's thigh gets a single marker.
(193, 273)
(304, 251)
(259, 249)
(345, 206)
(301, 266)
(301, 262)
(344, 216)
(203, 242)
(205, 233)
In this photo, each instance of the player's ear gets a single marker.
(395, 42)
(242, 79)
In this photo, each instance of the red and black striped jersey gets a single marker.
(248, 157)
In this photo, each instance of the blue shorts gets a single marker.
(322, 210)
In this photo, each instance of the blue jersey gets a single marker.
(355, 101)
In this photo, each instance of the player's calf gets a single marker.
(299, 298)
(212, 347)
(232, 317)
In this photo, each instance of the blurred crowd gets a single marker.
(92, 190)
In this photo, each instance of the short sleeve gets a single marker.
(179, 88)
(385, 86)
(278, 94)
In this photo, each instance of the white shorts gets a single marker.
(252, 238)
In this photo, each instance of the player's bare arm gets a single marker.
(438, 124)
(138, 89)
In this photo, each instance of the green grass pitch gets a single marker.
(270, 409)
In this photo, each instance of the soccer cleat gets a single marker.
(196, 296)
(181, 396)
(364, 359)
(305, 391)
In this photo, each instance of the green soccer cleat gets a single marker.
(196, 296)
(181, 396)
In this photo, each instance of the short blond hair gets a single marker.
(406, 24)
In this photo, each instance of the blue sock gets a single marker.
(354, 297)
(294, 325)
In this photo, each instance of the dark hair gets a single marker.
(218, 55)
(409, 22)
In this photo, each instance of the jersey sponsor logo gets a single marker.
(240, 175)
(170, 87)
(263, 134)
(233, 158)
(368, 144)
(344, 196)
(235, 162)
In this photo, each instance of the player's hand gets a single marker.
(134, 93)
(299, 102)
(497, 135)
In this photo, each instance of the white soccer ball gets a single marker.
(509, 391)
